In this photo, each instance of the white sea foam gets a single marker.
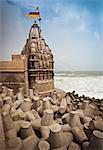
(84, 84)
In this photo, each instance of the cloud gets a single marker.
(97, 35)
(84, 28)
(70, 36)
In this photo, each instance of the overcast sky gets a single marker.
(73, 29)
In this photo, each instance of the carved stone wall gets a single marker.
(13, 80)
(44, 86)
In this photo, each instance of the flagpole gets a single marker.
(38, 8)
(39, 22)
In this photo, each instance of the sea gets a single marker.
(88, 83)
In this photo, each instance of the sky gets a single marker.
(73, 29)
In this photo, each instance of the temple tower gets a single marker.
(39, 62)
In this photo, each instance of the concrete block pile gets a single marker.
(57, 121)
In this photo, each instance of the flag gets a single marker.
(26, 11)
(33, 14)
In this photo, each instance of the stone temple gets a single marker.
(33, 68)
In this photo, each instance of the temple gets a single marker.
(33, 68)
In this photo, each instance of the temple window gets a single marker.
(32, 56)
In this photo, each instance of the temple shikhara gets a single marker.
(33, 68)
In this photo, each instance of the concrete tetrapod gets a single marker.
(26, 130)
(11, 93)
(66, 118)
(61, 148)
(20, 97)
(2, 135)
(87, 130)
(66, 128)
(36, 124)
(31, 93)
(8, 100)
(5, 108)
(18, 114)
(30, 143)
(68, 138)
(46, 103)
(9, 126)
(47, 118)
(85, 104)
(96, 125)
(4, 89)
(30, 115)
(96, 140)
(68, 99)
(79, 134)
(63, 106)
(74, 146)
(16, 104)
(14, 144)
(85, 145)
(36, 102)
(36, 114)
(1, 102)
(89, 111)
(56, 138)
(74, 119)
(86, 119)
(45, 131)
(43, 145)
(80, 113)
(26, 105)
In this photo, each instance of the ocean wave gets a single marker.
(91, 86)
(78, 74)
